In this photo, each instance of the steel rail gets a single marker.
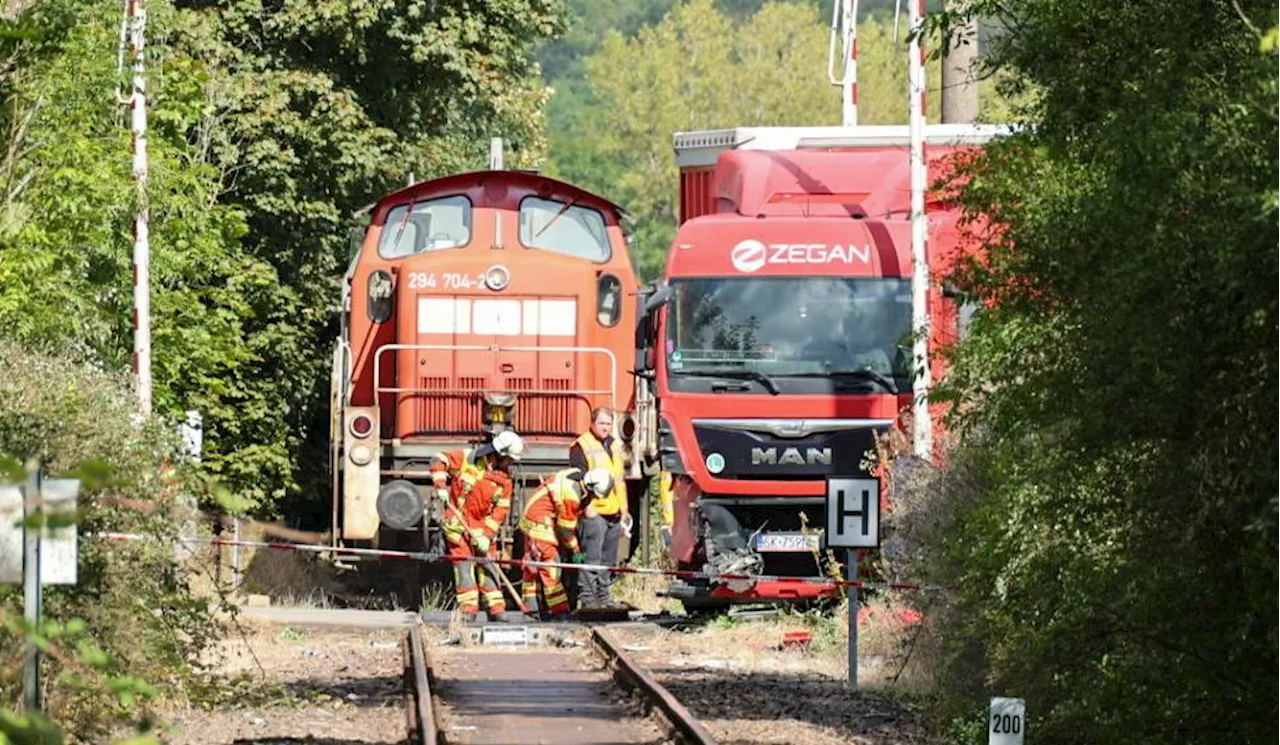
(639, 679)
(422, 721)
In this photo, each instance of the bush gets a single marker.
(140, 621)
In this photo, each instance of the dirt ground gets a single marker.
(749, 688)
(327, 687)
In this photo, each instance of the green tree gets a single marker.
(701, 69)
(1116, 479)
(311, 114)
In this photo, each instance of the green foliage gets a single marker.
(266, 131)
(309, 115)
(129, 630)
(702, 67)
(1115, 485)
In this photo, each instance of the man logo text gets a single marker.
(791, 456)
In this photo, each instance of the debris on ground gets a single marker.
(343, 686)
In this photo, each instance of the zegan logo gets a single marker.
(751, 255)
(748, 256)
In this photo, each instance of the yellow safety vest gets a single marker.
(544, 529)
(597, 457)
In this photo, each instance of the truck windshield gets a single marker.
(791, 326)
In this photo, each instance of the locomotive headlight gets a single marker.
(497, 277)
(497, 413)
(361, 455)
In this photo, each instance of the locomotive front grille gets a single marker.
(539, 411)
(449, 411)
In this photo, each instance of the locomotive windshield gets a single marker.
(564, 227)
(791, 326)
(433, 225)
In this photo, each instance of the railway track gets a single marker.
(545, 694)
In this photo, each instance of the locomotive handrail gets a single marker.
(378, 389)
(344, 392)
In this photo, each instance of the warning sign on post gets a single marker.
(853, 513)
(58, 546)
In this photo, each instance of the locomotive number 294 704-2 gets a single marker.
(446, 281)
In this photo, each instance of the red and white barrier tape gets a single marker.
(432, 558)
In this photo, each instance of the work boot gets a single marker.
(469, 617)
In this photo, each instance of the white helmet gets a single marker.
(508, 444)
(599, 481)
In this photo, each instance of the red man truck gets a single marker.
(779, 341)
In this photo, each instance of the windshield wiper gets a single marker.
(865, 374)
(755, 375)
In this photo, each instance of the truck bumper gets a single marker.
(751, 592)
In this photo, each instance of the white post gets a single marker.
(495, 154)
(922, 427)
(495, 164)
(141, 236)
(31, 589)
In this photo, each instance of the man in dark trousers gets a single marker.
(603, 519)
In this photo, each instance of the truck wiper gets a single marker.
(755, 375)
(864, 374)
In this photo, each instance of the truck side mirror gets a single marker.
(659, 297)
(648, 301)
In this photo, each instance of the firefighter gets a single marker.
(479, 499)
(550, 523)
(604, 519)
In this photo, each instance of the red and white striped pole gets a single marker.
(922, 427)
(849, 99)
(141, 237)
(844, 24)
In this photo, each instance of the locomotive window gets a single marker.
(434, 225)
(608, 300)
(564, 227)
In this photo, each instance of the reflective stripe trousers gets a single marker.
(465, 576)
(548, 577)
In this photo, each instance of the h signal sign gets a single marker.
(853, 513)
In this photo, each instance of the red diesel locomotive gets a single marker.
(475, 303)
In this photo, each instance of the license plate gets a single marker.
(788, 542)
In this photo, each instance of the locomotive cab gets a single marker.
(476, 303)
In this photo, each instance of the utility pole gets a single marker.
(922, 427)
(137, 14)
(959, 88)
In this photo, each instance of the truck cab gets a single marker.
(779, 342)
